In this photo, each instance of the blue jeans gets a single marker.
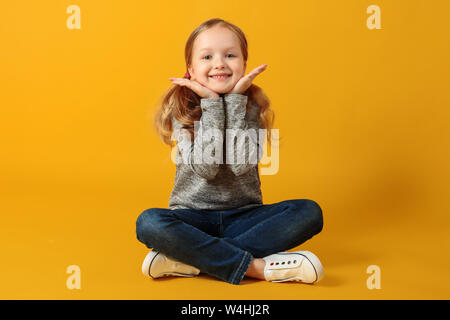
(223, 243)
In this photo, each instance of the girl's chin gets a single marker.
(221, 88)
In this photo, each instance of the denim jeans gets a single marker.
(223, 243)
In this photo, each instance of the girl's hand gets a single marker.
(245, 82)
(199, 89)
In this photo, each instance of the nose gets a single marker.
(219, 63)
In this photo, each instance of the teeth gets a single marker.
(219, 77)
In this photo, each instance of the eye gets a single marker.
(230, 54)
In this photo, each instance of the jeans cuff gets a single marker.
(242, 269)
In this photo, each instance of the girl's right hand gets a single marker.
(199, 89)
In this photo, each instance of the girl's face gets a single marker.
(217, 51)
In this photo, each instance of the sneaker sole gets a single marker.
(146, 265)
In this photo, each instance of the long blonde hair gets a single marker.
(183, 104)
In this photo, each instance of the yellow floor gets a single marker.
(47, 230)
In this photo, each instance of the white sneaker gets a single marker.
(301, 266)
(157, 265)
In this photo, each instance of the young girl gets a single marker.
(216, 222)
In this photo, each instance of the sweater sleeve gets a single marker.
(248, 151)
(191, 153)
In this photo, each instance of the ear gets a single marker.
(190, 70)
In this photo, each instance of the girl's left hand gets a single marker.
(245, 82)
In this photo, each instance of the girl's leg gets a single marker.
(179, 235)
(256, 269)
(273, 228)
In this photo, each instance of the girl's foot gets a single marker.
(157, 265)
(303, 266)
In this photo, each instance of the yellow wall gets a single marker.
(363, 115)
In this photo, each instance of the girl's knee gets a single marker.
(142, 218)
(316, 214)
(312, 211)
(147, 222)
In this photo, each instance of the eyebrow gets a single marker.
(205, 49)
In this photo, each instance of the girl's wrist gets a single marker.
(211, 97)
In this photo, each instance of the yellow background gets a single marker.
(363, 115)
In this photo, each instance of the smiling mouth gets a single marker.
(223, 77)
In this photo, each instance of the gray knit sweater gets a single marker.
(212, 185)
